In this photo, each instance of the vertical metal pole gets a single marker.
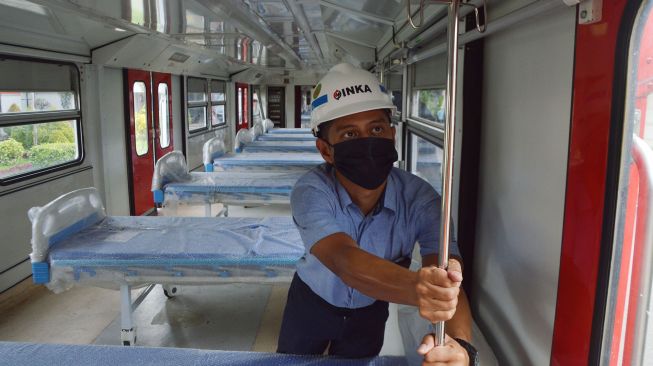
(449, 133)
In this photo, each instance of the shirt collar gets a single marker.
(389, 196)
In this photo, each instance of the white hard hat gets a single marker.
(346, 90)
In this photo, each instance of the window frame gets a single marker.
(196, 104)
(223, 102)
(29, 118)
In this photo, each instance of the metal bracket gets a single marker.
(590, 11)
(480, 27)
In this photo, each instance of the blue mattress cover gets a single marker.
(235, 182)
(180, 241)
(290, 130)
(286, 137)
(281, 158)
(288, 146)
(14, 353)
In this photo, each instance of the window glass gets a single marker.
(25, 102)
(196, 90)
(239, 106)
(164, 115)
(137, 12)
(217, 91)
(426, 161)
(429, 104)
(194, 22)
(217, 114)
(196, 118)
(161, 18)
(140, 118)
(396, 99)
(31, 147)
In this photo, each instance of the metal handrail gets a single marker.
(449, 136)
(643, 159)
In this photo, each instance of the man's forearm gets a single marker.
(460, 326)
(376, 277)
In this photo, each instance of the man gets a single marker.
(359, 219)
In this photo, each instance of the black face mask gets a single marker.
(366, 161)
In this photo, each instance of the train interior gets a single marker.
(94, 93)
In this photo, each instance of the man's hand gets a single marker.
(437, 291)
(450, 354)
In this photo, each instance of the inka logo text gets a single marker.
(354, 89)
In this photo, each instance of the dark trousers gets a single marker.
(310, 325)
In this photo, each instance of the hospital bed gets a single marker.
(14, 353)
(268, 127)
(247, 141)
(286, 137)
(172, 184)
(75, 243)
(216, 159)
(290, 130)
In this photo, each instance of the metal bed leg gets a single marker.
(127, 332)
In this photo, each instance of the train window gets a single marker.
(426, 161)
(40, 119)
(429, 105)
(218, 98)
(164, 115)
(197, 103)
(140, 117)
(396, 99)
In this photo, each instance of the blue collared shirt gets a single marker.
(410, 213)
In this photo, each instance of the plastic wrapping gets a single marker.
(212, 149)
(290, 130)
(286, 137)
(138, 250)
(268, 125)
(231, 187)
(268, 161)
(257, 131)
(279, 146)
(63, 216)
(243, 136)
(170, 168)
(69, 354)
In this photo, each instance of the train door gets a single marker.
(242, 106)
(303, 106)
(149, 131)
(604, 292)
(277, 105)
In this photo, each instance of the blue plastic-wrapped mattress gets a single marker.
(182, 250)
(265, 161)
(278, 146)
(65, 355)
(286, 137)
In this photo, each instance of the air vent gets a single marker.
(178, 57)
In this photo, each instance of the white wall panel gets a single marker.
(528, 73)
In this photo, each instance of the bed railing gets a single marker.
(212, 149)
(58, 219)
